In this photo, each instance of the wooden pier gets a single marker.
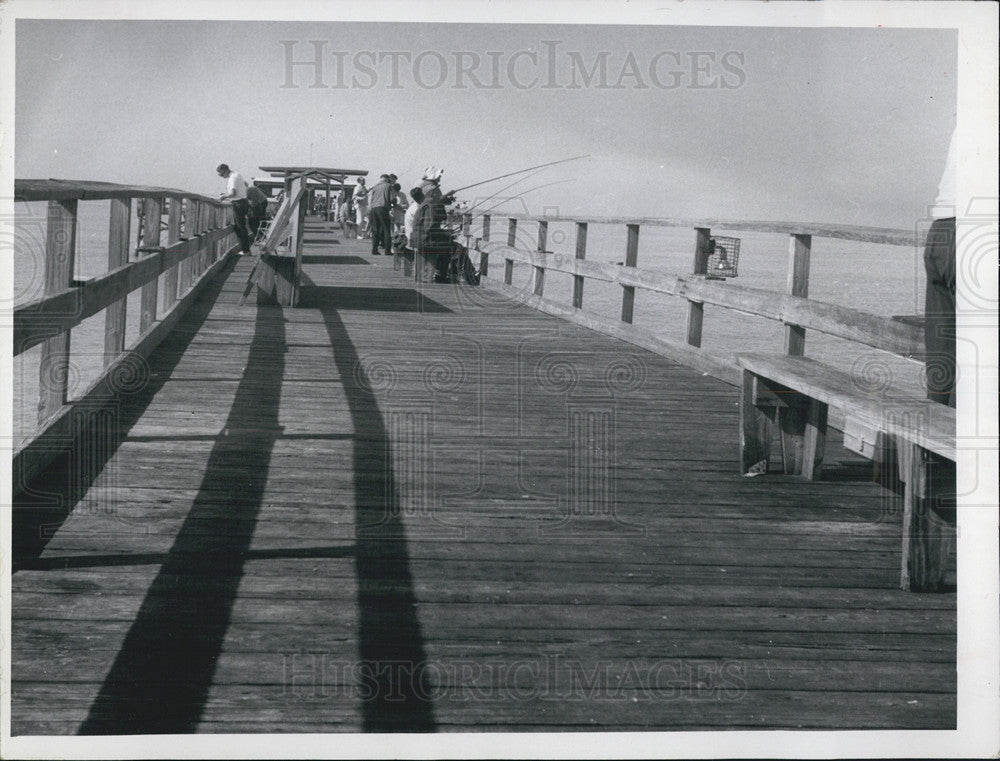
(407, 506)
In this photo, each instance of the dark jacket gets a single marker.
(381, 194)
(429, 233)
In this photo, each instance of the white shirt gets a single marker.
(411, 213)
(238, 184)
(361, 196)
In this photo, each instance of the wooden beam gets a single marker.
(581, 254)
(46, 443)
(538, 286)
(60, 251)
(631, 259)
(755, 429)
(36, 320)
(170, 278)
(87, 190)
(855, 325)
(118, 248)
(191, 230)
(152, 208)
(696, 308)
(926, 535)
(881, 235)
(798, 285)
(298, 231)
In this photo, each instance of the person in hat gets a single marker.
(236, 193)
(430, 234)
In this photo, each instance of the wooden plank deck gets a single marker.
(427, 508)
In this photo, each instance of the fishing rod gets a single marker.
(505, 187)
(519, 171)
(525, 192)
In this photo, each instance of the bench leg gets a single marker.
(926, 535)
(803, 435)
(755, 430)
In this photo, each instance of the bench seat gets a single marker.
(790, 396)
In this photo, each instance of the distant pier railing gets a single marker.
(198, 233)
(793, 308)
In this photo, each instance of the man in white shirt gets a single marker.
(236, 192)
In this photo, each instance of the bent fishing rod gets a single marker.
(522, 193)
(508, 186)
(519, 171)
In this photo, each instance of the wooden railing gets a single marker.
(793, 308)
(199, 233)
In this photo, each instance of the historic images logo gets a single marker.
(548, 66)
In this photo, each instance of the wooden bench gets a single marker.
(790, 396)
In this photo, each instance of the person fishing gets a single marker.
(236, 193)
(430, 236)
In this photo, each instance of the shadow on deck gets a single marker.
(399, 508)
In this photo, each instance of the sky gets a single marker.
(837, 125)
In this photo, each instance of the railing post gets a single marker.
(508, 264)
(191, 233)
(222, 216)
(799, 247)
(119, 230)
(581, 253)
(173, 236)
(538, 286)
(60, 250)
(631, 257)
(152, 208)
(696, 309)
(298, 235)
(204, 224)
(484, 257)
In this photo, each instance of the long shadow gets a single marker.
(320, 259)
(332, 297)
(319, 240)
(160, 679)
(391, 643)
(47, 501)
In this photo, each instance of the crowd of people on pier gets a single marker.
(382, 213)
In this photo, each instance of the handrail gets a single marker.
(793, 308)
(855, 325)
(199, 234)
(882, 235)
(34, 321)
(90, 190)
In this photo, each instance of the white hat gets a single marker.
(432, 173)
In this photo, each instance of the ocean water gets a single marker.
(884, 280)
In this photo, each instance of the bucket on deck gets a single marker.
(723, 256)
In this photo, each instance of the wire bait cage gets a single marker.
(723, 256)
